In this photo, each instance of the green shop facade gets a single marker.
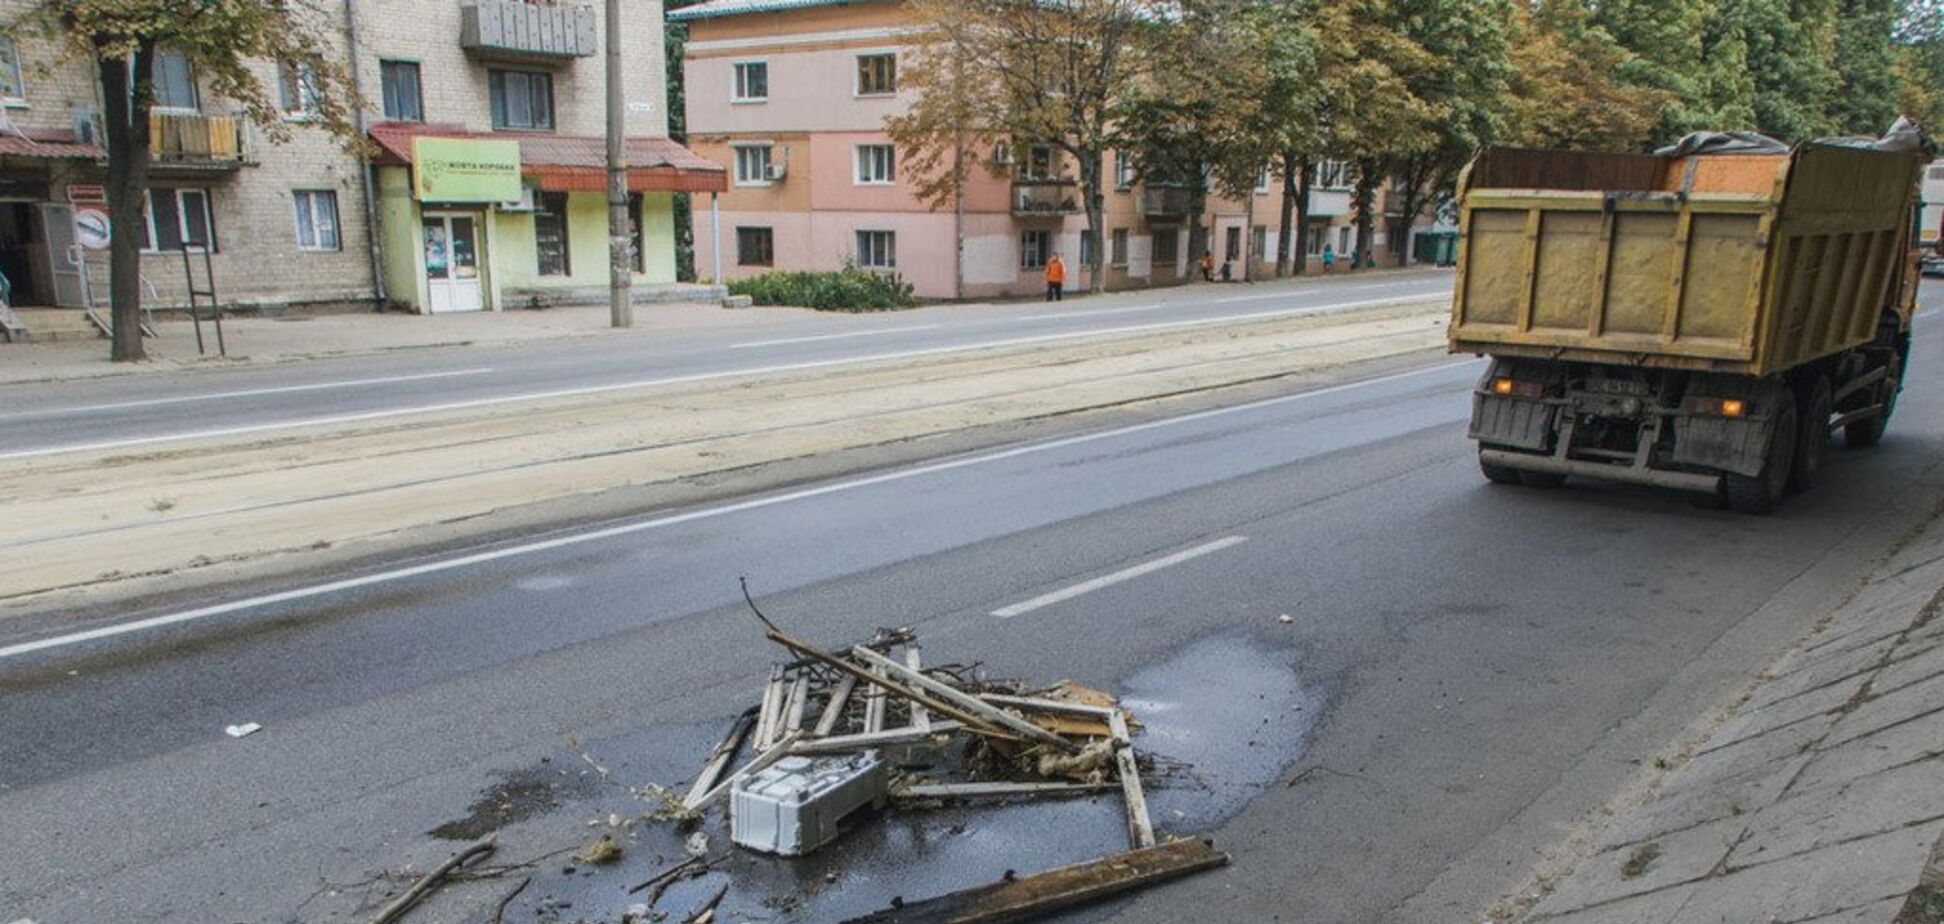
(475, 222)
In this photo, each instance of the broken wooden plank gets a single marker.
(868, 740)
(1039, 895)
(1054, 706)
(965, 702)
(972, 723)
(874, 703)
(798, 702)
(756, 765)
(920, 717)
(766, 731)
(833, 710)
(723, 755)
(990, 790)
(1140, 831)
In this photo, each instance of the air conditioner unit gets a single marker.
(529, 201)
(775, 172)
(1003, 155)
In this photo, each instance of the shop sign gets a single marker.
(465, 170)
(91, 228)
(87, 194)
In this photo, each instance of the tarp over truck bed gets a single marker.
(1744, 263)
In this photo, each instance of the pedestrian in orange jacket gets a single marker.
(1055, 279)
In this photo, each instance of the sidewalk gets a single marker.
(1820, 799)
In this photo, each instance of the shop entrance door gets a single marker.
(57, 222)
(451, 247)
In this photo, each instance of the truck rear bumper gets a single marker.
(1681, 481)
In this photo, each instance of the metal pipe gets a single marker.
(715, 233)
(365, 168)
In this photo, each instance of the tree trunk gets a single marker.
(1249, 256)
(125, 114)
(1303, 167)
(1197, 235)
(1366, 200)
(1090, 167)
(1285, 238)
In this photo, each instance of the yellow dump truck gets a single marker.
(1701, 322)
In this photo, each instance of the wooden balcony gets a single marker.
(195, 141)
(521, 31)
(1048, 198)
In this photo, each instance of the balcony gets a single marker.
(1048, 198)
(192, 141)
(1164, 201)
(519, 31)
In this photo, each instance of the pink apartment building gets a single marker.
(792, 97)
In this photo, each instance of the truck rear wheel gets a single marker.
(1498, 474)
(1759, 494)
(1812, 444)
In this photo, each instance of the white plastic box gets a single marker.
(798, 803)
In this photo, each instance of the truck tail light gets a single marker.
(1512, 388)
(1718, 407)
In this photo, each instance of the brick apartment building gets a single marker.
(792, 96)
(304, 223)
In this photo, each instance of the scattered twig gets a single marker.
(1315, 770)
(744, 581)
(434, 879)
(499, 912)
(706, 913)
(668, 875)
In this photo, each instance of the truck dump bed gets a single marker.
(1742, 263)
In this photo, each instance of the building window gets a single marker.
(756, 247)
(1331, 174)
(1039, 162)
(317, 219)
(752, 164)
(177, 218)
(174, 81)
(1167, 245)
(550, 236)
(1089, 248)
(522, 100)
(1318, 233)
(1123, 170)
(877, 75)
(297, 90)
(1119, 254)
(1233, 250)
(1343, 240)
(752, 82)
(875, 165)
(1034, 248)
(13, 88)
(877, 249)
(403, 102)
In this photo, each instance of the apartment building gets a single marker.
(487, 189)
(792, 96)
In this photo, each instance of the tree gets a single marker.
(226, 42)
(1865, 98)
(1920, 63)
(1565, 90)
(989, 72)
(1457, 65)
(675, 42)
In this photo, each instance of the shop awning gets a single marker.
(572, 163)
(58, 145)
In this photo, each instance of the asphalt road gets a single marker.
(134, 411)
(1466, 671)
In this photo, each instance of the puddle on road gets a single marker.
(1223, 718)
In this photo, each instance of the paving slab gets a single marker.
(1881, 712)
(1899, 744)
(1652, 908)
(1815, 884)
(1678, 858)
(1815, 818)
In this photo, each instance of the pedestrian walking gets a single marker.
(1208, 266)
(1055, 279)
(1329, 259)
(1228, 270)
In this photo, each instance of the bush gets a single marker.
(848, 289)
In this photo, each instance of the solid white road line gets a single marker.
(857, 333)
(245, 429)
(1064, 315)
(609, 532)
(246, 393)
(1125, 574)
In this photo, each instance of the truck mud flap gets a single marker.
(1513, 422)
(1739, 446)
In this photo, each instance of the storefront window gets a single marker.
(550, 236)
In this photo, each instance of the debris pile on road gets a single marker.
(837, 732)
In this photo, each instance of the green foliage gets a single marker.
(848, 289)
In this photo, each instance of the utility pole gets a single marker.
(620, 266)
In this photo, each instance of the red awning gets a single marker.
(49, 144)
(576, 163)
